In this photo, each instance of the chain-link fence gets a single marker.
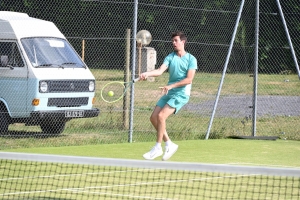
(266, 104)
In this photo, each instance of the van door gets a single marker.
(13, 79)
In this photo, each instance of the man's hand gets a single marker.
(143, 76)
(165, 89)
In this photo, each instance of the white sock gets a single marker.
(169, 142)
(158, 145)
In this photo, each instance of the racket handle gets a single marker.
(136, 80)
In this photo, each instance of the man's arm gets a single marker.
(188, 80)
(154, 73)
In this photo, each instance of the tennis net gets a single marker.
(37, 176)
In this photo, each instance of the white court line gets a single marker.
(86, 189)
(66, 175)
(263, 165)
(131, 196)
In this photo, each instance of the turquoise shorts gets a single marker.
(175, 101)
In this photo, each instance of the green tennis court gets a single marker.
(108, 172)
(279, 153)
(55, 180)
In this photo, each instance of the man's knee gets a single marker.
(153, 118)
(161, 116)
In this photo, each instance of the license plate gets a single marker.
(74, 113)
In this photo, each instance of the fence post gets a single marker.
(255, 73)
(126, 99)
(83, 49)
(288, 37)
(225, 69)
(133, 59)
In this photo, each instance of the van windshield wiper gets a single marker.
(72, 63)
(49, 65)
(60, 65)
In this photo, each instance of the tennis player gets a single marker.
(182, 67)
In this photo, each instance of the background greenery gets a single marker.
(208, 25)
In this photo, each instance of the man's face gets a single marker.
(178, 44)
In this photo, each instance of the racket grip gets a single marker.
(136, 80)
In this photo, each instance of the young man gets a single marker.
(182, 67)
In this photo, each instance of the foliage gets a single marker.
(208, 24)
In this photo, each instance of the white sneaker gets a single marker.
(170, 150)
(154, 153)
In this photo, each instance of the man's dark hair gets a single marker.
(180, 34)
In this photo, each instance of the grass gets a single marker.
(112, 124)
(110, 131)
(83, 182)
(280, 153)
(63, 181)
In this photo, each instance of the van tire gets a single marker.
(54, 128)
(3, 120)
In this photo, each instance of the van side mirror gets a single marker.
(4, 60)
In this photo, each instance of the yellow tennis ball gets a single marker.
(110, 93)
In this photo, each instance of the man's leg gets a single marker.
(158, 120)
(162, 116)
(161, 119)
(159, 113)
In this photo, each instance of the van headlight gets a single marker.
(43, 86)
(92, 86)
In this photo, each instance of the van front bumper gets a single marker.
(64, 114)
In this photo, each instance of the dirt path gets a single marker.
(240, 106)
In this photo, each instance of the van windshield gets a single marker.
(50, 53)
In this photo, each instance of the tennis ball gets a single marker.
(110, 93)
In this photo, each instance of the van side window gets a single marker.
(9, 52)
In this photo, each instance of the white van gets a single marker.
(43, 81)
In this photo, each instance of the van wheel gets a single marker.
(53, 128)
(3, 120)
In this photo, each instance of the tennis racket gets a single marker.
(114, 91)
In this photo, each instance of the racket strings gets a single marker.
(118, 89)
